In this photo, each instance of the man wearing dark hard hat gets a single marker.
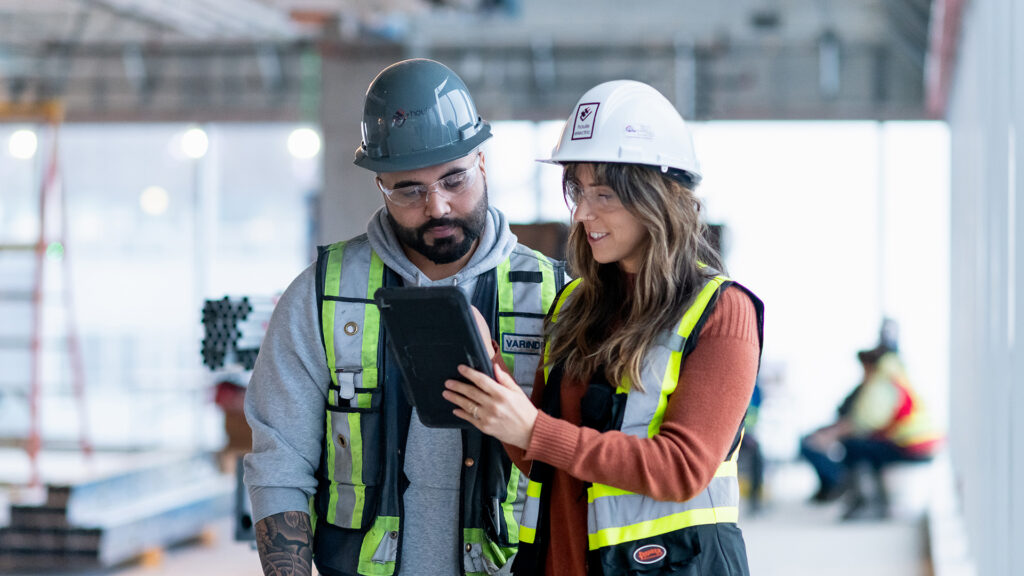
(342, 471)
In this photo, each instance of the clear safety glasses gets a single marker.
(603, 199)
(415, 196)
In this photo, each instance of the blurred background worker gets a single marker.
(881, 422)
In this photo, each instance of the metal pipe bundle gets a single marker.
(233, 330)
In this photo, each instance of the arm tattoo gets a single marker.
(285, 542)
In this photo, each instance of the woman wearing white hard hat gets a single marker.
(631, 438)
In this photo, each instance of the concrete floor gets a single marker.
(787, 538)
(792, 539)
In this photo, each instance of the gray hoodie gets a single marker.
(286, 402)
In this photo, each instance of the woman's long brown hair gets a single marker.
(608, 325)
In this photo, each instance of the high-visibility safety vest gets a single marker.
(630, 533)
(911, 427)
(357, 507)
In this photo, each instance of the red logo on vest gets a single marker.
(650, 554)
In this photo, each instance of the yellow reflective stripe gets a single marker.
(371, 328)
(692, 315)
(736, 453)
(544, 360)
(554, 318)
(332, 287)
(527, 535)
(565, 294)
(727, 514)
(649, 528)
(312, 514)
(511, 493)
(668, 386)
(601, 490)
(506, 303)
(332, 487)
(533, 489)
(726, 469)
(686, 326)
(358, 488)
(382, 525)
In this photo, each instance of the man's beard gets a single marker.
(445, 250)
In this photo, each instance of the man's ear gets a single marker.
(483, 169)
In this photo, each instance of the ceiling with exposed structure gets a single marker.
(262, 59)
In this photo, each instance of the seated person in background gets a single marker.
(886, 423)
(822, 449)
(880, 422)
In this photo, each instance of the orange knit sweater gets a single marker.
(701, 420)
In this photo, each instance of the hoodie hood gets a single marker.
(496, 243)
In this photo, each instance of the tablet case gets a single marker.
(430, 331)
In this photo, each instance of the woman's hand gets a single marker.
(498, 408)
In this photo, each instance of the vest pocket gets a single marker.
(674, 554)
(352, 459)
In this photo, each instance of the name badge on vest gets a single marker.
(522, 343)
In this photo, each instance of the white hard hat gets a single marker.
(627, 122)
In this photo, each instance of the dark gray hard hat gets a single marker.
(418, 113)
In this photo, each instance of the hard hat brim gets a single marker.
(425, 158)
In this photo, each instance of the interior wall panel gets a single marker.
(985, 357)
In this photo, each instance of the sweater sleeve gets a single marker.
(700, 423)
(285, 404)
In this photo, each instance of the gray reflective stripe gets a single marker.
(342, 463)
(528, 297)
(642, 406)
(628, 509)
(354, 281)
(531, 511)
(387, 550)
(673, 341)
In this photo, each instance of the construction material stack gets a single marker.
(114, 509)
(233, 331)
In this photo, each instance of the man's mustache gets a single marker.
(439, 222)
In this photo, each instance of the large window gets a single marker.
(159, 218)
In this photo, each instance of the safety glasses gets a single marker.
(415, 196)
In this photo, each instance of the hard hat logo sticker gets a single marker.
(398, 119)
(583, 123)
(639, 131)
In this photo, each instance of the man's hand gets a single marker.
(485, 332)
(285, 542)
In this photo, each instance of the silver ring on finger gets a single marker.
(476, 409)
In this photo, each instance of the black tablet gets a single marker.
(431, 331)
